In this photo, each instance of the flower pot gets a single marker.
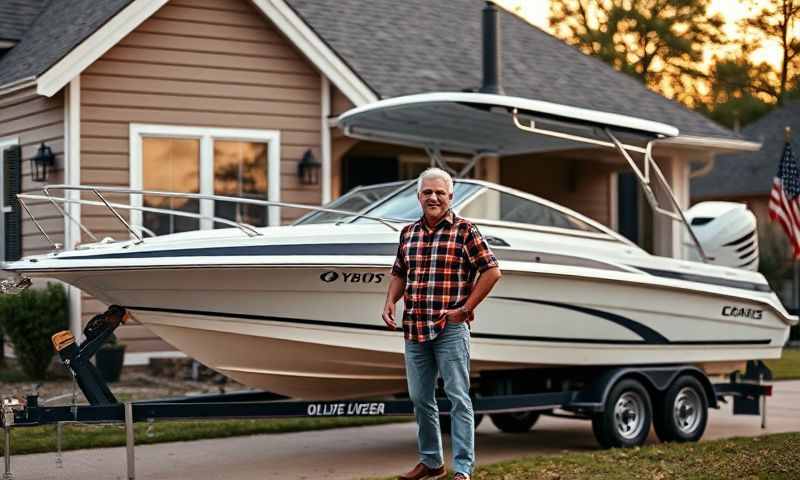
(109, 361)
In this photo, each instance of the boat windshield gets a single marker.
(405, 204)
(500, 206)
(354, 201)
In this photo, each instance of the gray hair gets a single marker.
(434, 172)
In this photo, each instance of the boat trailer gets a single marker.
(749, 396)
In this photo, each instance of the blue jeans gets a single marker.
(448, 355)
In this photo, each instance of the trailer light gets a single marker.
(62, 340)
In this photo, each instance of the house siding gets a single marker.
(34, 119)
(208, 63)
(581, 185)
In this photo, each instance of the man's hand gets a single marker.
(458, 316)
(388, 316)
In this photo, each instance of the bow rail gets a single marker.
(136, 231)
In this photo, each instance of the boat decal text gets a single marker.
(352, 277)
(742, 312)
(346, 409)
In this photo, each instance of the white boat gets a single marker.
(296, 310)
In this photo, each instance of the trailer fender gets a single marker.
(655, 379)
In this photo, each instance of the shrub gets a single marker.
(29, 320)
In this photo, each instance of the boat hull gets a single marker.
(315, 332)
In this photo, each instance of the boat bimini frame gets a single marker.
(452, 121)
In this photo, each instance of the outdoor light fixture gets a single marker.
(44, 158)
(308, 169)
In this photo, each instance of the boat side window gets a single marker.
(500, 206)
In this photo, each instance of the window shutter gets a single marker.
(12, 161)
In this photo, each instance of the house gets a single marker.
(227, 96)
(748, 177)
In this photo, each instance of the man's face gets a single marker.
(434, 197)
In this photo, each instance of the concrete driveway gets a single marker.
(359, 452)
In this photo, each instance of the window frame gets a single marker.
(206, 137)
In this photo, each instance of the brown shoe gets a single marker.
(423, 472)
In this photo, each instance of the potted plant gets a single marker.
(109, 359)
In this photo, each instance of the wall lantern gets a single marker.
(308, 169)
(44, 158)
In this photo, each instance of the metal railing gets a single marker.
(135, 230)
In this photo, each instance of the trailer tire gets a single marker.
(445, 427)
(516, 422)
(626, 419)
(681, 415)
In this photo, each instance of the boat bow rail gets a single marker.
(136, 231)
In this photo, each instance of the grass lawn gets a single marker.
(79, 436)
(768, 457)
(788, 366)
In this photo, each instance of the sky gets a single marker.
(537, 12)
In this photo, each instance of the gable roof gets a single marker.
(60, 26)
(390, 48)
(751, 174)
(417, 46)
(16, 16)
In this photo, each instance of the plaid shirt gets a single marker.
(439, 266)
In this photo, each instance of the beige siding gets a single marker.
(34, 119)
(209, 63)
(582, 185)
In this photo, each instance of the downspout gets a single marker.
(72, 176)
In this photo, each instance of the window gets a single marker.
(208, 161)
(496, 205)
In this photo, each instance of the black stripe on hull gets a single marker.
(492, 336)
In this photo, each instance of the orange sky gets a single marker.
(537, 12)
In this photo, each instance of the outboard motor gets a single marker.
(727, 232)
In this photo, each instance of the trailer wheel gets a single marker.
(517, 422)
(682, 414)
(445, 427)
(626, 419)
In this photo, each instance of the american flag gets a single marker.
(784, 205)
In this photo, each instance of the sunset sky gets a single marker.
(537, 12)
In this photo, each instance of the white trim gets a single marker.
(7, 43)
(287, 21)
(143, 358)
(72, 176)
(309, 43)
(97, 44)
(326, 140)
(17, 85)
(206, 135)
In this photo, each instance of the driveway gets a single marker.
(359, 452)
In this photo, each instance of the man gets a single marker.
(437, 261)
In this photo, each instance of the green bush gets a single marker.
(29, 319)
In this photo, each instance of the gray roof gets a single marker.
(405, 47)
(61, 26)
(16, 16)
(749, 174)
(416, 46)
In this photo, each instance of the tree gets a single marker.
(660, 42)
(739, 93)
(775, 21)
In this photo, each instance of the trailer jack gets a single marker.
(76, 358)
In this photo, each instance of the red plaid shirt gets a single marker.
(439, 266)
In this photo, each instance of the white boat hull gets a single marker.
(316, 332)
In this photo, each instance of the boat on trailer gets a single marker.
(296, 309)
